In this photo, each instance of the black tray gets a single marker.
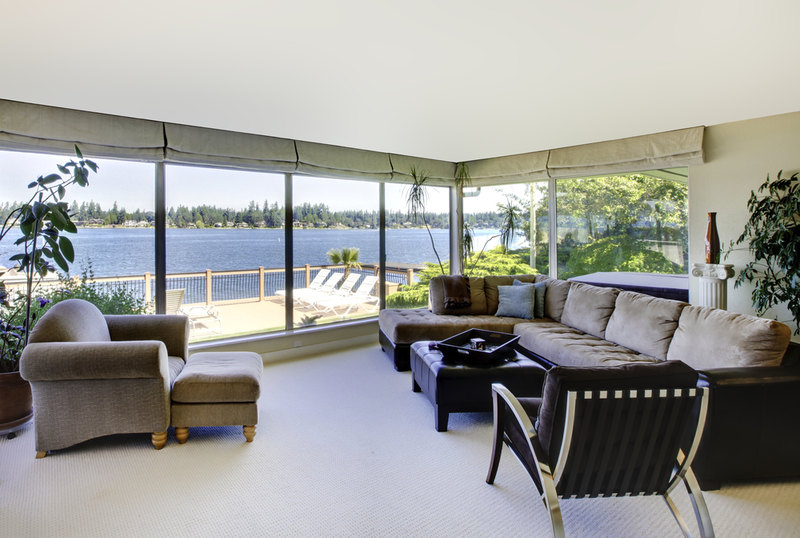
(499, 346)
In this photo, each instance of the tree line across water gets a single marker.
(266, 215)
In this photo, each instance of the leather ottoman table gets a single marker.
(217, 389)
(458, 388)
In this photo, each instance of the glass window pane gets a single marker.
(336, 249)
(225, 250)
(416, 248)
(632, 223)
(114, 260)
(498, 228)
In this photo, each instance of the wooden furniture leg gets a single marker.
(249, 433)
(159, 439)
(40, 455)
(182, 434)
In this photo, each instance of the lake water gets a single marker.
(130, 251)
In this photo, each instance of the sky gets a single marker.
(131, 185)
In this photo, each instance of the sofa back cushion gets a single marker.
(73, 320)
(709, 338)
(644, 323)
(588, 308)
(490, 284)
(554, 297)
(477, 296)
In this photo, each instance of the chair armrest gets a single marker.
(173, 330)
(60, 361)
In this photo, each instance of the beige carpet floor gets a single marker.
(343, 448)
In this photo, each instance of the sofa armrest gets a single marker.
(751, 431)
(763, 375)
(173, 330)
(60, 361)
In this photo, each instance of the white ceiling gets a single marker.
(446, 79)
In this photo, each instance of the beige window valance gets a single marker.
(47, 129)
(662, 150)
(212, 147)
(521, 168)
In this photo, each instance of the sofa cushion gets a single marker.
(478, 297)
(644, 323)
(73, 320)
(571, 347)
(588, 308)
(516, 301)
(709, 338)
(490, 284)
(412, 325)
(555, 297)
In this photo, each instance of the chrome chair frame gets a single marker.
(550, 480)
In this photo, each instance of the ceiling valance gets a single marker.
(47, 129)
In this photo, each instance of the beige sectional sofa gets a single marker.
(744, 359)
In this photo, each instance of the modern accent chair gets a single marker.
(94, 375)
(600, 432)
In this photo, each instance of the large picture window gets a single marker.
(114, 256)
(417, 246)
(336, 250)
(225, 250)
(631, 222)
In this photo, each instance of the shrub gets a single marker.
(617, 253)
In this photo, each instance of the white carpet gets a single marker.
(343, 448)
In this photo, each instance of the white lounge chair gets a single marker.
(197, 314)
(361, 295)
(315, 284)
(307, 296)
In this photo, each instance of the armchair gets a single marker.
(93, 375)
(631, 430)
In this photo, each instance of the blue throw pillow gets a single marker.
(539, 289)
(515, 301)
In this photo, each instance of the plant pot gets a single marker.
(16, 402)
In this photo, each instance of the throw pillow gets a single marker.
(538, 306)
(515, 301)
(539, 289)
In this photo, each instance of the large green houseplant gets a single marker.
(772, 235)
(42, 222)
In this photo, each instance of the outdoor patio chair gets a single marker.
(315, 284)
(613, 431)
(174, 301)
(360, 296)
(306, 297)
(197, 314)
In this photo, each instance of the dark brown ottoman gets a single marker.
(459, 388)
(217, 389)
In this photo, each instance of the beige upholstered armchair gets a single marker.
(94, 375)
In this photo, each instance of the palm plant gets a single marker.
(416, 198)
(511, 215)
(347, 256)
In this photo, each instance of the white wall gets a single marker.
(738, 158)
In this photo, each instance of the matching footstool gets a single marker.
(217, 389)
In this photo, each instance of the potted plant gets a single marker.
(41, 221)
(772, 235)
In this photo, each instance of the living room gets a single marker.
(752, 129)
